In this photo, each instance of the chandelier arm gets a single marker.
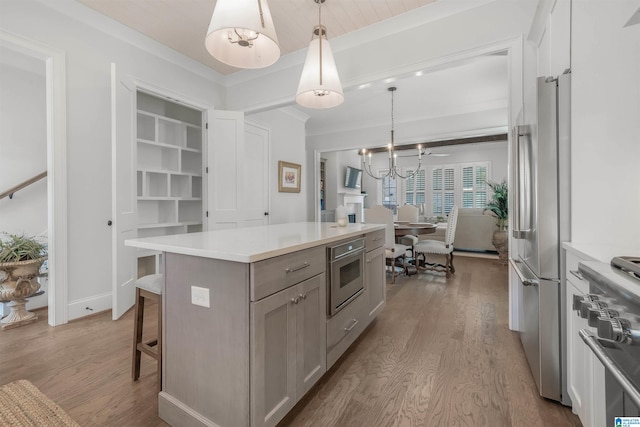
(371, 174)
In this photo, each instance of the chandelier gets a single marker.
(394, 171)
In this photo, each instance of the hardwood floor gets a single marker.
(439, 354)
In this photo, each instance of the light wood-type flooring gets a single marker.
(440, 354)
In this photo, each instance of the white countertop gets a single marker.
(600, 252)
(253, 243)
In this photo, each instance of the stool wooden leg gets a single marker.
(137, 335)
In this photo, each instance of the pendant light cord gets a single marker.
(320, 31)
(261, 14)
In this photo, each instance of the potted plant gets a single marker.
(498, 206)
(20, 260)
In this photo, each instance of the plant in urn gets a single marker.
(498, 206)
(20, 261)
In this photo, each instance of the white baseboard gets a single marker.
(87, 306)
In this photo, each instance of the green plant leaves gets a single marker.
(499, 204)
(14, 248)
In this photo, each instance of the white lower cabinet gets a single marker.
(585, 373)
(288, 348)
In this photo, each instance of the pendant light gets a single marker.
(394, 170)
(241, 34)
(319, 85)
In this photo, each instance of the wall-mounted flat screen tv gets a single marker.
(352, 177)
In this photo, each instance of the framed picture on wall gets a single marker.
(288, 177)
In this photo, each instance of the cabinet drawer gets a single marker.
(274, 274)
(375, 239)
(348, 322)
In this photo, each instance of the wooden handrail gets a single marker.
(20, 186)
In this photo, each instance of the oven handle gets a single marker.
(351, 252)
(597, 349)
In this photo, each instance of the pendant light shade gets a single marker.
(319, 85)
(241, 34)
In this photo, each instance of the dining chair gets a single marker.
(393, 251)
(437, 247)
(408, 213)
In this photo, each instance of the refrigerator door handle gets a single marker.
(518, 231)
(526, 281)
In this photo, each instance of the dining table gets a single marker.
(413, 228)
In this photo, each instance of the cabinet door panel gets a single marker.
(311, 333)
(375, 281)
(273, 357)
(578, 358)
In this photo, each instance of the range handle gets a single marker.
(611, 365)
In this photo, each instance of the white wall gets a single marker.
(605, 124)
(287, 144)
(23, 149)
(89, 52)
(23, 143)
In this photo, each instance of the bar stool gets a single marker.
(147, 287)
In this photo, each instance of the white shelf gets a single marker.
(169, 169)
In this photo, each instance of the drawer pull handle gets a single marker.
(577, 274)
(377, 238)
(295, 300)
(353, 325)
(300, 267)
(303, 296)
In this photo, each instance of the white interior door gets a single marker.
(123, 187)
(238, 178)
(256, 175)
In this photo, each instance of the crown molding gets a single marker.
(84, 14)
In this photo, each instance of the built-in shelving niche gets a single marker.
(169, 176)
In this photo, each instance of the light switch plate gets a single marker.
(200, 296)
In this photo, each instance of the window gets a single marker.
(474, 186)
(443, 190)
(414, 193)
(389, 192)
(463, 184)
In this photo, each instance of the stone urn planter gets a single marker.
(498, 206)
(501, 241)
(18, 281)
(20, 261)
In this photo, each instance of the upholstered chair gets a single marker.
(437, 247)
(393, 251)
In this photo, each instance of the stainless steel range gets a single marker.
(613, 307)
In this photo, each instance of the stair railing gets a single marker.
(22, 185)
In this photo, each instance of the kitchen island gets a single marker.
(246, 331)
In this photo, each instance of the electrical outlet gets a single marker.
(200, 296)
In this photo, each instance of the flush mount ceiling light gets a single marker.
(319, 85)
(241, 34)
(394, 171)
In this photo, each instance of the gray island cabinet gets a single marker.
(246, 331)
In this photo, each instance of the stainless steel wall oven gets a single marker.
(346, 274)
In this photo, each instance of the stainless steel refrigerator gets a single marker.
(540, 190)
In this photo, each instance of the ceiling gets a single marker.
(182, 24)
(472, 85)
